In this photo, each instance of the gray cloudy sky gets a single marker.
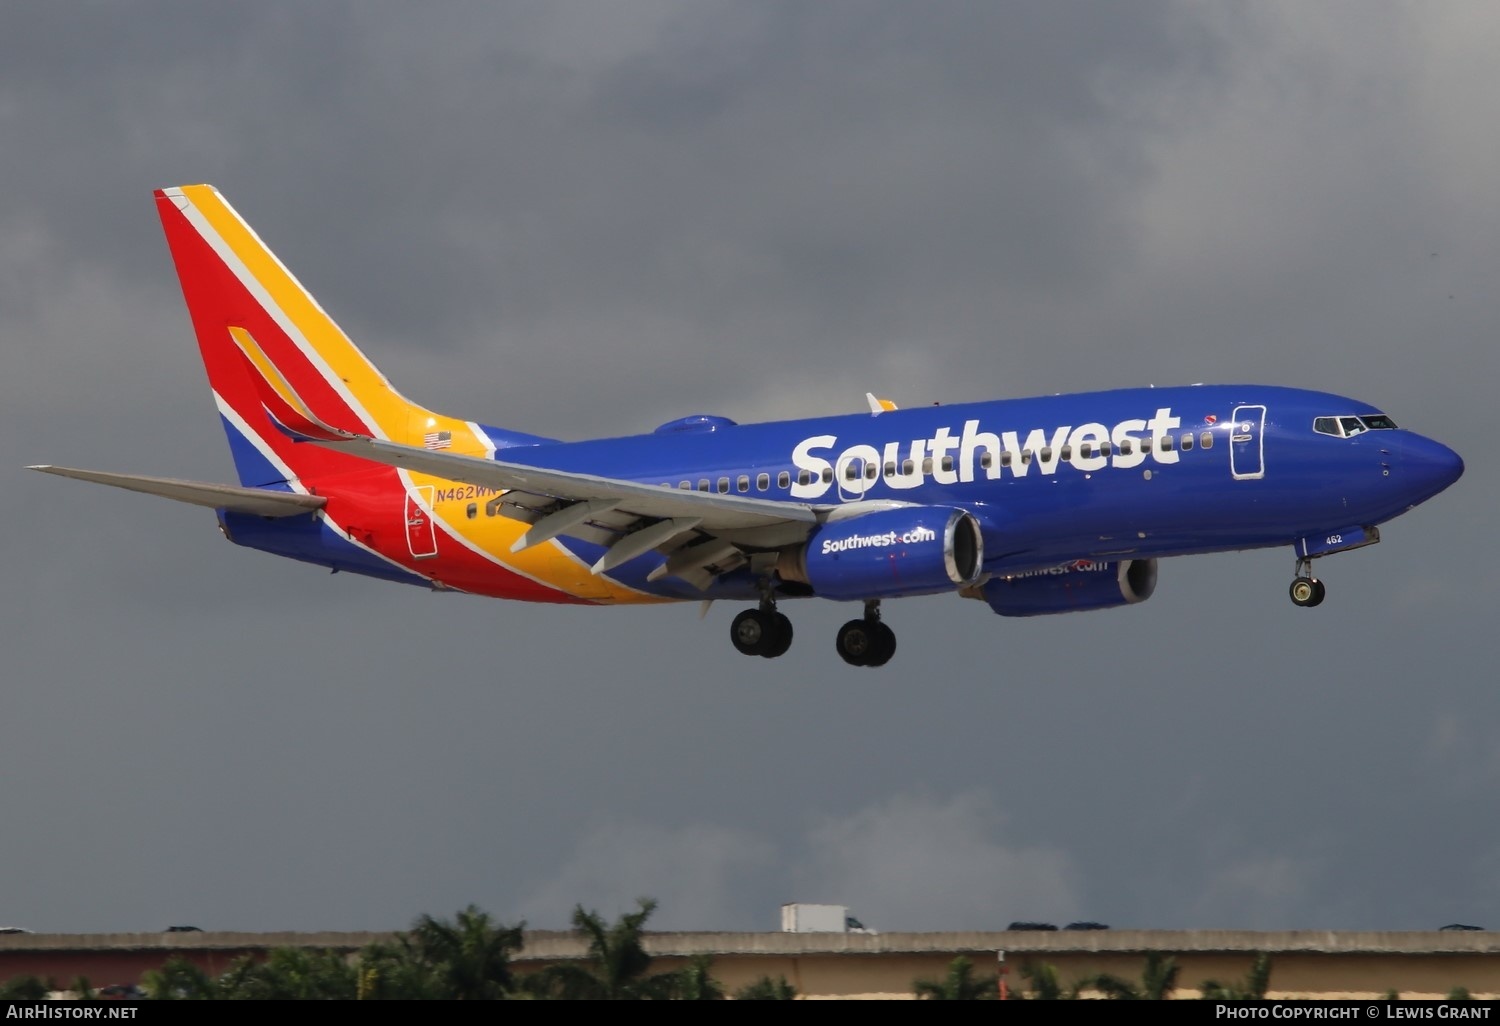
(580, 218)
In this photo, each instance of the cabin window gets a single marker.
(1085, 451)
(907, 468)
(851, 471)
(1127, 446)
(828, 475)
(986, 459)
(1026, 456)
(1187, 442)
(723, 486)
(703, 484)
(1065, 455)
(1206, 440)
(472, 510)
(803, 477)
(784, 479)
(927, 465)
(1166, 443)
(1005, 458)
(1104, 449)
(762, 482)
(686, 486)
(871, 470)
(890, 469)
(948, 463)
(743, 484)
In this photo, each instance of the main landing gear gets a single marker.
(1306, 590)
(867, 642)
(766, 633)
(763, 632)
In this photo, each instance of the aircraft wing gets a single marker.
(704, 533)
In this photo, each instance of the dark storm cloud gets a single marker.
(610, 198)
(584, 218)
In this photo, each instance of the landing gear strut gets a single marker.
(867, 642)
(1306, 590)
(761, 632)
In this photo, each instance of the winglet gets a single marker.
(878, 406)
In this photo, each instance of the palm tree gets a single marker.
(180, 980)
(1158, 981)
(695, 984)
(1253, 988)
(397, 971)
(24, 988)
(292, 974)
(1044, 984)
(618, 962)
(767, 989)
(959, 985)
(469, 958)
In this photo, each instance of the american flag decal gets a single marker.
(437, 439)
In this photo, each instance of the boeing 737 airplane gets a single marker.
(1045, 505)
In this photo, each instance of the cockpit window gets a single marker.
(1348, 427)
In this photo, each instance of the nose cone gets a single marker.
(1429, 466)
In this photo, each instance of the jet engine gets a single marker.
(910, 550)
(1072, 587)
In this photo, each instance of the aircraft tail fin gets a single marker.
(262, 335)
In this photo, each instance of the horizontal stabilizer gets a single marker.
(259, 502)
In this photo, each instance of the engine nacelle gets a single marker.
(910, 550)
(1072, 587)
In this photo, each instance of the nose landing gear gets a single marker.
(1306, 590)
(867, 642)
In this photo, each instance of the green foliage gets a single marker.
(767, 989)
(618, 962)
(465, 959)
(180, 980)
(24, 988)
(469, 957)
(1252, 988)
(1158, 981)
(959, 985)
(1043, 982)
(1459, 994)
(292, 974)
(695, 983)
(397, 971)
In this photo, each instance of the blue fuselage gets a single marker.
(1130, 473)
